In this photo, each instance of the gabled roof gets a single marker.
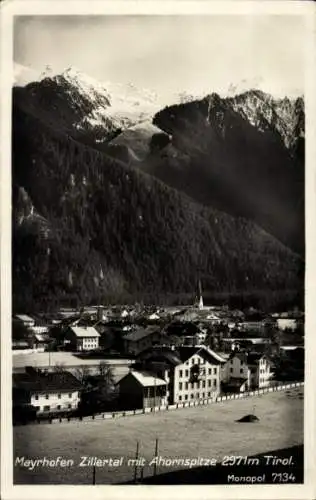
(251, 358)
(160, 354)
(41, 338)
(140, 333)
(217, 356)
(24, 317)
(46, 382)
(240, 355)
(186, 353)
(147, 379)
(81, 331)
(181, 354)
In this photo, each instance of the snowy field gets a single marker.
(207, 432)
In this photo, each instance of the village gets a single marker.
(99, 358)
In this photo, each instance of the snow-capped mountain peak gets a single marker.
(84, 104)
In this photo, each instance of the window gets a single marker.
(215, 371)
(198, 395)
(214, 382)
(203, 383)
(186, 397)
(231, 370)
(58, 407)
(180, 386)
(203, 395)
(241, 363)
(180, 373)
(70, 395)
(192, 396)
(36, 397)
(186, 373)
(241, 371)
(46, 408)
(186, 386)
(210, 371)
(69, 406)
(46, 396)
(59, 396)
(180, 398)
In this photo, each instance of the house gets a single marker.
(25, 319)
(43, 329)
(40, 342)
(47, 392)
(153, 317)
(192, 373)
(286, 323)
(82, 338)
(188, 332)
(197, 376)
(213, 319)
(20, 345)
(236, 344)
(142, 389)
(141, 339)
(256, 328)
(254, 368)
(260, 370)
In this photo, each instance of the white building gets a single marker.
(192, 373)
(47, 392)
(26, 320)
(82, 338)
(286, 323)
(253, 368)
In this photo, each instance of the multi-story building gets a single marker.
(198, 375)
(191, 373)
(141, 339)
(253, 368)
(47, 393)
(82, 338)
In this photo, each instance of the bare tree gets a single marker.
(107, 381)
(82, 374)
(59, 368)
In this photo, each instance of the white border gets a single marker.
(71, 7)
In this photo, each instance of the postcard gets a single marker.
(158, 200)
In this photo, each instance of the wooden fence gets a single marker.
(187, 404)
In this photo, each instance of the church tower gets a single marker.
(200, 295)
(199, 298)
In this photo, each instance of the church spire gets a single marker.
(200, 295)
(199, 298)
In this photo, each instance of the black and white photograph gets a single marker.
(158, 244)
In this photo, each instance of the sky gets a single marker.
(169, 54)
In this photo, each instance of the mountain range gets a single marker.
(116, 195)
